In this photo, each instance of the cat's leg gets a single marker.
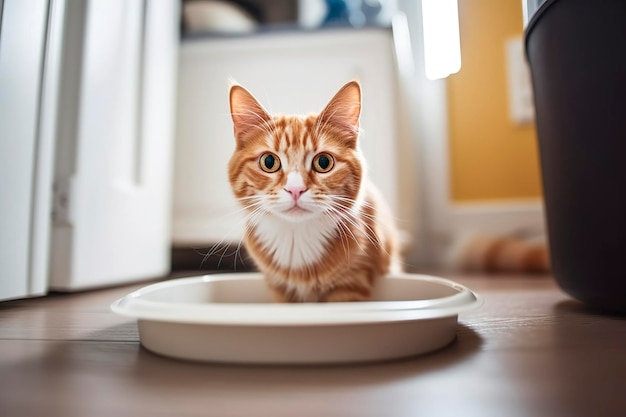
(284, 293)
(343, 294)
(356, 285)
(279, 295)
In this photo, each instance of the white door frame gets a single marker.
(30, 61)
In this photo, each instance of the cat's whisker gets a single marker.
(255, 213)
(370, 234)
(255, 202)
(243, 262)
(342, 234)
(218, 246)
(342, 219)
(375, 242)
(213, 250)
(352, 201)
(364, 204)
(240, 209)
(359, 212)
(359, 208)
(346, 199)
(364, 228)
(250, 197)
(253, 219)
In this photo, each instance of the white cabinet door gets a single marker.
(112, 217)
(295, 73)
(22, 42)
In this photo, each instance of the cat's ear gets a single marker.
(246, 111)
(344, 111)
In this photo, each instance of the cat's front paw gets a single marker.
(339, 295)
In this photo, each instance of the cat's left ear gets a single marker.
(246, 111)
(344, 111)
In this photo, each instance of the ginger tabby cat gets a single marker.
(316, 227)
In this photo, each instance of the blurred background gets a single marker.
(115, 129)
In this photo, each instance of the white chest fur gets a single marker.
(295, 244)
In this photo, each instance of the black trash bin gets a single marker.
(577, 55)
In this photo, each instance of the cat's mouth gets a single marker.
(296, 210)
(295, 213)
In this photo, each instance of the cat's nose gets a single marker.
(295, 185)
(296, 191)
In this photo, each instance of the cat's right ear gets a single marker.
(246, 111)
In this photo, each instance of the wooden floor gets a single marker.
(529, 351)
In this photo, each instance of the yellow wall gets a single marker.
(490, 156)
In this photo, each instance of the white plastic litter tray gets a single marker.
(231, 318)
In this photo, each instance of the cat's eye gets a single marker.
(323, 162)
(269, 162)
